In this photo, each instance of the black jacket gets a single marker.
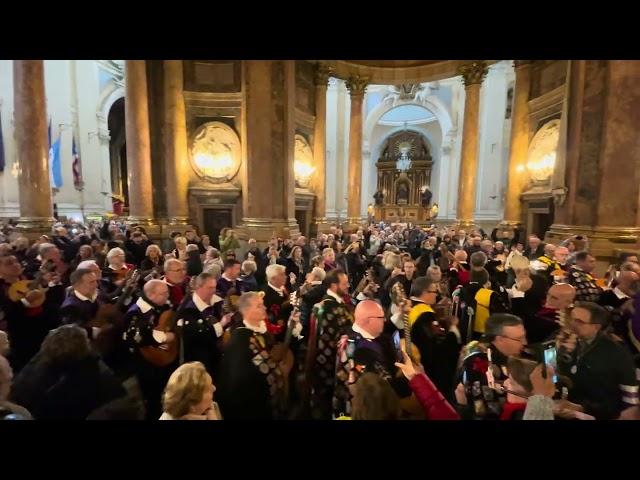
(65, 392)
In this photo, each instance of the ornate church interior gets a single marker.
(347, 161)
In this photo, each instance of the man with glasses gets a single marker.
(175, 276)
(366, 349)
(437, 345)
(601, 370)
(484, 367)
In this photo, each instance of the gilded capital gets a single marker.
(322, 74)
(357, 85)
(473, 73)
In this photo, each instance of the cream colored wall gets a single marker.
(73, 92)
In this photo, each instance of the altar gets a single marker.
(404, 175)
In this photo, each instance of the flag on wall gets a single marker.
(55, 163)
(76, 166)
(2, 162)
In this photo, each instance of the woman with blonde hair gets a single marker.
(189, 395)
(180, 251)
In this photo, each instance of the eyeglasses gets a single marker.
(432, 291)
(582, 322)
(382, 317)
(519, 340)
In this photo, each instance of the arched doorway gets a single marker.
(118, 156)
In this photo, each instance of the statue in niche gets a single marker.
(378, 197)
(402, 194)
(425, 197)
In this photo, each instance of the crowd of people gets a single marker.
(389, 322)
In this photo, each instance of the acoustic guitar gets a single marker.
(400, 299)
(282, 353)
(20, 289)
(110, 319)
(166, 353)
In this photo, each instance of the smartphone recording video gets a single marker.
(551, 359)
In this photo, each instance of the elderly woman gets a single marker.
(249, 281)
(153, 260)
(180, 251)
(189, 395)
(117, 269)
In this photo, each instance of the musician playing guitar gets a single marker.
(28, 319)
(175, 276)
(251, 380)
(82, 304)
(142, 319)
(203, 323)
(276, 300)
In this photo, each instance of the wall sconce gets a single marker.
(303, 172)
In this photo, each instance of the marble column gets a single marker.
(518, 178)
(268, 130)
(175, 144)
(30, 106)
(472, 74)
(357, 86)
(138, 143)
(602, 150)
(318, 181)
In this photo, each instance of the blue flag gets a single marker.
(55, 164)
(2, 162)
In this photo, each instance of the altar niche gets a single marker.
(404, 173)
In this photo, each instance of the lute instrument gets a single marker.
(166, 353)
(400, 299)
(32, 288)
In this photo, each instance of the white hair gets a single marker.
(318, 273)
(249, 266)
(168, 263)
(192, 247)
(273, 270)
(115, 251)
(44, 248)
(87, 264)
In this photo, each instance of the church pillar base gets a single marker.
(34, 227)
(262, 229)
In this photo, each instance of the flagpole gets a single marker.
(73, 74)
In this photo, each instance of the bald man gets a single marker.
(366, 349)
(544, 324)
(141, 320)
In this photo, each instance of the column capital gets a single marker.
(322, 74)
(522, 63)
(473, 72)
(357, 85)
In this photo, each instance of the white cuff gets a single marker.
(515, 293)
(361, 296)
(94, 332)
(25, 303)
(397, 320)
(297, 330)
(218, 329)
(159, 336)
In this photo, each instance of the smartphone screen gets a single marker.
(396, 344)
(550, 359)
